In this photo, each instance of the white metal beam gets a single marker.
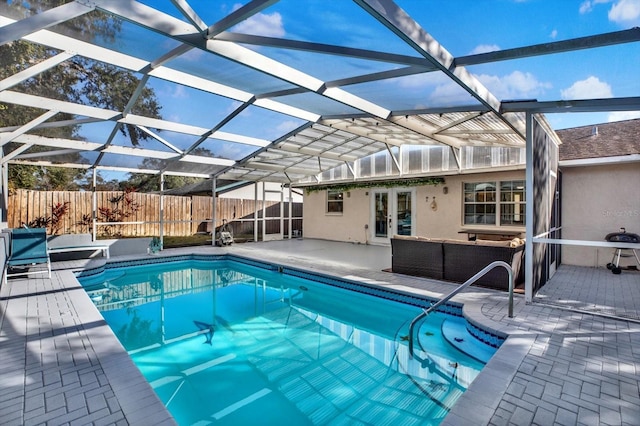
(101, 54)
(8, 137)
(246, 140)
(34, 70)
(329, 49)
(175, 28)
(138, 152)
(403, 25)
(190, 14)
(48, 104)
(55, 124)
(160, 139)
(88, 50)
(42, 20)
(279, 168)
(213, 161)
(571, 45)
(238, 16)
(314, 152)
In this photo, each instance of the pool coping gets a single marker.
(138, 401)
(476, 405)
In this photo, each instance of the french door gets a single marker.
(392, 213)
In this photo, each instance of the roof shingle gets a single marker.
(600, 140)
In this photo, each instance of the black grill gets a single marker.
(622, 237)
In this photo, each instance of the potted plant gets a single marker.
(155, 245)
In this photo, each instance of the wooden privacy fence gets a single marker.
(131, 214)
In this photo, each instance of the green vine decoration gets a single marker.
(347, 186)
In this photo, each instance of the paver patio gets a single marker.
(567, 361)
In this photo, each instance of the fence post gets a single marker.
(94, 206)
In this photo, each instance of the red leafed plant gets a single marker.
(121, 207)
(54, 221)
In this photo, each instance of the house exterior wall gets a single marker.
(597, 200)
(444, 222)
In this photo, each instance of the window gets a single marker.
(512, 203)
(480, 203)
(334, 201)
(487, 202)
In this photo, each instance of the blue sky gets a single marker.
(463, 27)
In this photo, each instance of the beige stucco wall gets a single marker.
(598, 200)
(445, 222)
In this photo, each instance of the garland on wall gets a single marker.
(347, 186)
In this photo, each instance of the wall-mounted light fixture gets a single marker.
(426, 199)
(445, 190)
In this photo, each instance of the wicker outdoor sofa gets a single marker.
(456, 260)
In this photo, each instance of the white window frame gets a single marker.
(339, 201)
(497, 203)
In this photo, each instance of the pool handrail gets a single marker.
(458, 289)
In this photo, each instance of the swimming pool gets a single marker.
(227, 340)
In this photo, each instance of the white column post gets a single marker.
(290, 212)
(281, 212)
(161, 209)
(528, 246)
(255, 211)
(214, 209)
(94, 205)
(264, 212)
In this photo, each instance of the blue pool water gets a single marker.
(228, 343)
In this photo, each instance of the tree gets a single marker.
(78, 80)
(151, 183)
(44, 178)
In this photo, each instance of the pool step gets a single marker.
(456, 333)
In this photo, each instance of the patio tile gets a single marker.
(567, 360)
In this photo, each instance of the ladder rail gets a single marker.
(473, 279)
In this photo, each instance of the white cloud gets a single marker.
(179, 92)
(420, 81)
(484, 48)
(625, 12)
(517, 85)
(449, 93)
(623, 115)
(193, 55)
(554, 34)
(590, 88)
(268, 25)
(587, 6)
(287, 126)
(622, 12)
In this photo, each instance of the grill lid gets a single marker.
(622, 237)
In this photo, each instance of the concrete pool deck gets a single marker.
(568, 360)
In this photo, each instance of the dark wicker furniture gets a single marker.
(421, 257)
(454, 260)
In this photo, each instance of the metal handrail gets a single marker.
(462, 286)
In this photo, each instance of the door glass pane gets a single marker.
(404, 213)
(382, 209)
